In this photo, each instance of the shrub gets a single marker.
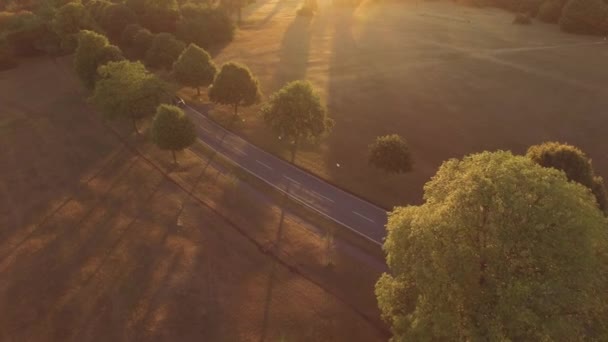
(205, 27)
(391, 153)
(164, 51)
(550, 11)
(522, 19)
(585, 16)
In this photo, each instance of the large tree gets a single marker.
(204, 26)
(127, 90)
(142, 40)
(159, 15)
(391, 154)
(296, 113)
(116, 18)
(574, 162)
(235, 85)
(164, 51)
(93, 51)
(502, 250)
(172, 129)
(194, 68)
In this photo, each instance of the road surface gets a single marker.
(352, 212)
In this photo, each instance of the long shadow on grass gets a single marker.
(295, 48)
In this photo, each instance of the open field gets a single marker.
(452, 80)
(99, 243)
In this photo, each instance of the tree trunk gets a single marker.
(174, 158)
(135, 125)
(294, 150)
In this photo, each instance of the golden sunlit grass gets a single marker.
(452, 80)
(97, 244)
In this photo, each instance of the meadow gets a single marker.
(452, 80)
(103, 239)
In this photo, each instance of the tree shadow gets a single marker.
(295, 48)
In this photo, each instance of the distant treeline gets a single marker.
(575, 16)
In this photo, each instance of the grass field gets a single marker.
(452, 80)
(99, 243)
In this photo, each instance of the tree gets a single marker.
(142, 42)
(235, 86)
(172, 129)
(164, 51)
(115, 19)
(391, 154)
(194, 68)
(160, 15)
(127, 90)
(87, 57)
(574, 162)
(585, 16)
(295, 112)
(127, 37)
(204, 26)
(70, 19)
(502, 249)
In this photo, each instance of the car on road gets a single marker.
(178, 101)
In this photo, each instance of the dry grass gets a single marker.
(452, 80)
(98, 243)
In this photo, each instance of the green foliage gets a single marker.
(391, 154)
(160, 15)
(88, 56)
(70, 19)
(295, 112)
(550, 11)
(127, 90)
(137, 6)
(501, 250)
(26, 34)
(194, 68)
(172, 129)
(164, 51)
(236, 86)
(115, 19)
(97, 8)
(204, 26)
(142, 42)
(585, 16)
(127, 37)
(574, 162)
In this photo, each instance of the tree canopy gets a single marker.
(172, 129)
(70, 19)
(295, 112)
(574, 162)
(158, 15)
(502, 249)
(93, 50)
(391, 154)
(127, 90)
(164, 51)
(204, 26)
(116, 18)
(142, 40)
(194, 68)
(235, 86)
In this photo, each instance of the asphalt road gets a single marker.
(342, 207)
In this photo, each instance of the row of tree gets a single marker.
(52, 28)
(575, 16)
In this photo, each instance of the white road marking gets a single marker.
(266, 166)
(365, 217)
(292, 180)
(316, 194)
(297, 169)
